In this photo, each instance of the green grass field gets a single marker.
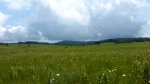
(95, 64)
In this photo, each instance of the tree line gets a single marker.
(83, 43)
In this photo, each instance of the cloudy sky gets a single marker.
(80, 20)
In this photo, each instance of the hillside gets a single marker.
(82, 43)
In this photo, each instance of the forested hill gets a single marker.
(117, 40)
(82, 43)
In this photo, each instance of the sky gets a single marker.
(76, 20)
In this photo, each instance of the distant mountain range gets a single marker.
(82, 43)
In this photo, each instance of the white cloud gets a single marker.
(17, 29)
(69, 9)
(13, 33)
(3, 18)
(140, 3)
(2, 31)
(78, 19)
(18, 4)
(137, 3)
(106, 7)
(85, 19)
(145, 31)
(77, 10)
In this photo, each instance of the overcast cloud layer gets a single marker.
(82, 20)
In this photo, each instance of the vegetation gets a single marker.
(84, 43)
(107, 63)
(118, 40)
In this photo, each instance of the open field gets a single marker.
(107, 63)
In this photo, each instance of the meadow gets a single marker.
(107, 63)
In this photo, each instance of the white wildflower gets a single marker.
(123, 75)
(149, 81)
(51, 80)
(57, 74)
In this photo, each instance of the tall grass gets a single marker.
(97, 64)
